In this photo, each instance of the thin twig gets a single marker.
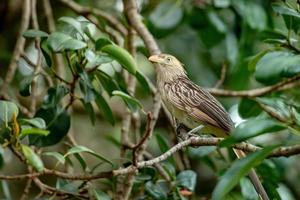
(141, 145)
(27, 186)
(51, 190)
(38, 66)
(60, 78)
(222, 77)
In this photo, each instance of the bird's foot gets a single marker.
(181, 131)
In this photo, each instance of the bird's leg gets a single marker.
(181, 131)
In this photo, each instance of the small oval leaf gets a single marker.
(56, 155)
(79, 149)
(251, 128)
(187, 179)
(105, 109)
(132, 103)
(248, 108)
(32, 158)
(7, 109)
(59, 42)
(122, 56)
(37, 122)
(33, 131)
(274, 66)
(33, 33)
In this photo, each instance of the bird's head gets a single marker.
(168, 65)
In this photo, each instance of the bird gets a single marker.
(192, 106)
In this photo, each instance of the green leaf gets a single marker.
(80, 149)
(58, 123)
(162, 143)
(187, 179)
(166, 15)
(254, 59)
(282, 9)
(74, 23)
(102, 42)
(7, 110)
(33, 131)
(46, 52)
(97, 61)
(32, 158)
(32, 33)
(199, 153)
(251, 128)
(274, 66)
(273, 35)
(54, 96)
(143, 81)
(105, 109)
(170, 169)
(122, 56)
(56, 155)
(132, 103)
(237, 170)
(59, 42)
(107, 82)
(221, 3)
(25, 86)
(81, 161)
(100, 195)
(155, 191)
(216, 21)
(36, 122)
(146, 174)
(90, 110)
(86, 87)
(232, 48)
(67, 186)
(248, 189)
(249, 108)
(255, 15)
(5, 191)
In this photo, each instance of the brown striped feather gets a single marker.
(198, 103)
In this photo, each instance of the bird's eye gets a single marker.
(169, 59)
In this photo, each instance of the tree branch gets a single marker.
(194, 141)
(38, 66)
(123, 190)
(283, 85)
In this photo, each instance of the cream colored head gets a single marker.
(169, 67)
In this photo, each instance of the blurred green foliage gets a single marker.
(258, 43)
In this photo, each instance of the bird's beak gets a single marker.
(155, 59)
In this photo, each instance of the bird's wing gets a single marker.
(198, 103)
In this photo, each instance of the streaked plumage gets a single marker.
(192, 106)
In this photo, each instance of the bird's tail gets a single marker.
(253, 177)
